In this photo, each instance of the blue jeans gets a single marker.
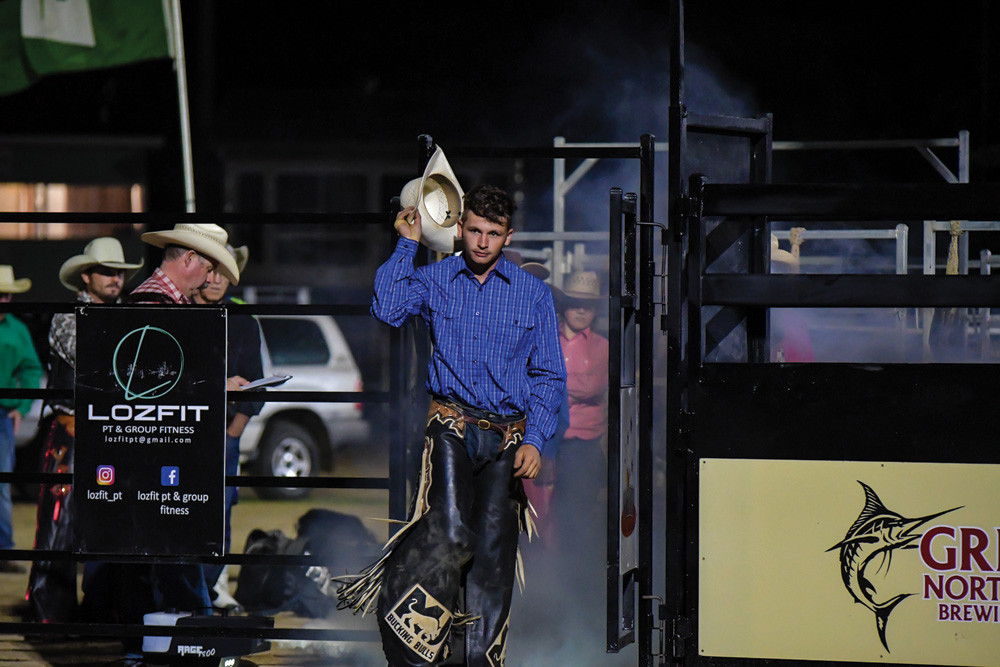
(6, 465)
(180, 587)
(212, 571)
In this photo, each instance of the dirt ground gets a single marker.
(250, 512)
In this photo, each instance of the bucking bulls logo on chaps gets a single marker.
(878, 532)
(497, 652)
(421, 622)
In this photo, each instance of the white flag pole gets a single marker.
(180, 67)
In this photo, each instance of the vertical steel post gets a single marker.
(695, 269)
(403, 355)
(676, 461)
(558, 215)
(984, 313)
(644, 386)
(759, 260)
(399, 423)
(621, 590)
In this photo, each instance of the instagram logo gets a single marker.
(105, 475)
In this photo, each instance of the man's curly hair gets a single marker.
(490, 202)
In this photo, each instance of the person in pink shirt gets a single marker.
(581, 463)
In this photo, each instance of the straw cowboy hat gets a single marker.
(438, 197)
(10, 285)
(582, 289)
(208, 239)
(582, 286)
(103, 251)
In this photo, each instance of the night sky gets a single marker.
(518, 73)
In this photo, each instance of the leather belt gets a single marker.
(486, 424)
(512, 429)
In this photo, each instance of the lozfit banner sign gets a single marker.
(849, 561)
(149, 473)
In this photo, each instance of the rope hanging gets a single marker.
(955, 230)
(795, 238)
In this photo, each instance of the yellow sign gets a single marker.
(849, 561)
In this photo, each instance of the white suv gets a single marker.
(297, 439)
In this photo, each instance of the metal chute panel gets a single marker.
(844, 513)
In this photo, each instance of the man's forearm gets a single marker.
(236, 427)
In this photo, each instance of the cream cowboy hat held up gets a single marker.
(103, 251)
(10, 285)
(208, 239)
(438, 197)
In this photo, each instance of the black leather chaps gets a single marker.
(466, 537)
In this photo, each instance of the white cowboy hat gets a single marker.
(8, 285)
(438, 197)
(208, 239)
(104, 251)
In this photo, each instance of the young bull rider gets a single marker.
(496, 378)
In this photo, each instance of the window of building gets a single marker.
(65, 198)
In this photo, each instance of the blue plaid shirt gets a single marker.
(496, 344)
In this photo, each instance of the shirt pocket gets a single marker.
(446, 327)
(512, 333)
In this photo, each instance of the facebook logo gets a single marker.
(170, 476)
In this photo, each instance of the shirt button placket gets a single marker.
(477, 329)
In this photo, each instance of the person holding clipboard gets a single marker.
(243, 360)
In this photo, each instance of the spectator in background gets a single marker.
(581, 465)
(539, 490)
(19, 368)
(96, 276)
(242, 359)
(789, 326)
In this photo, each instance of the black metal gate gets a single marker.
(773, 549)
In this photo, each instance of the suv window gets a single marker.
(292, 342)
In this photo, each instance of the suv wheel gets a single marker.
(286, 450)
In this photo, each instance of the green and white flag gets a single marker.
(40, 37)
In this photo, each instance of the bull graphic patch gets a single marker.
(420, 622)
(497, 652)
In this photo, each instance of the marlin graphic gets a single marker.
(877, 532)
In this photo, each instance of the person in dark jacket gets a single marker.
(242, 359)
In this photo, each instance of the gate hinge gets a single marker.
(688, 207)
(680, 633)
(661, 615)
